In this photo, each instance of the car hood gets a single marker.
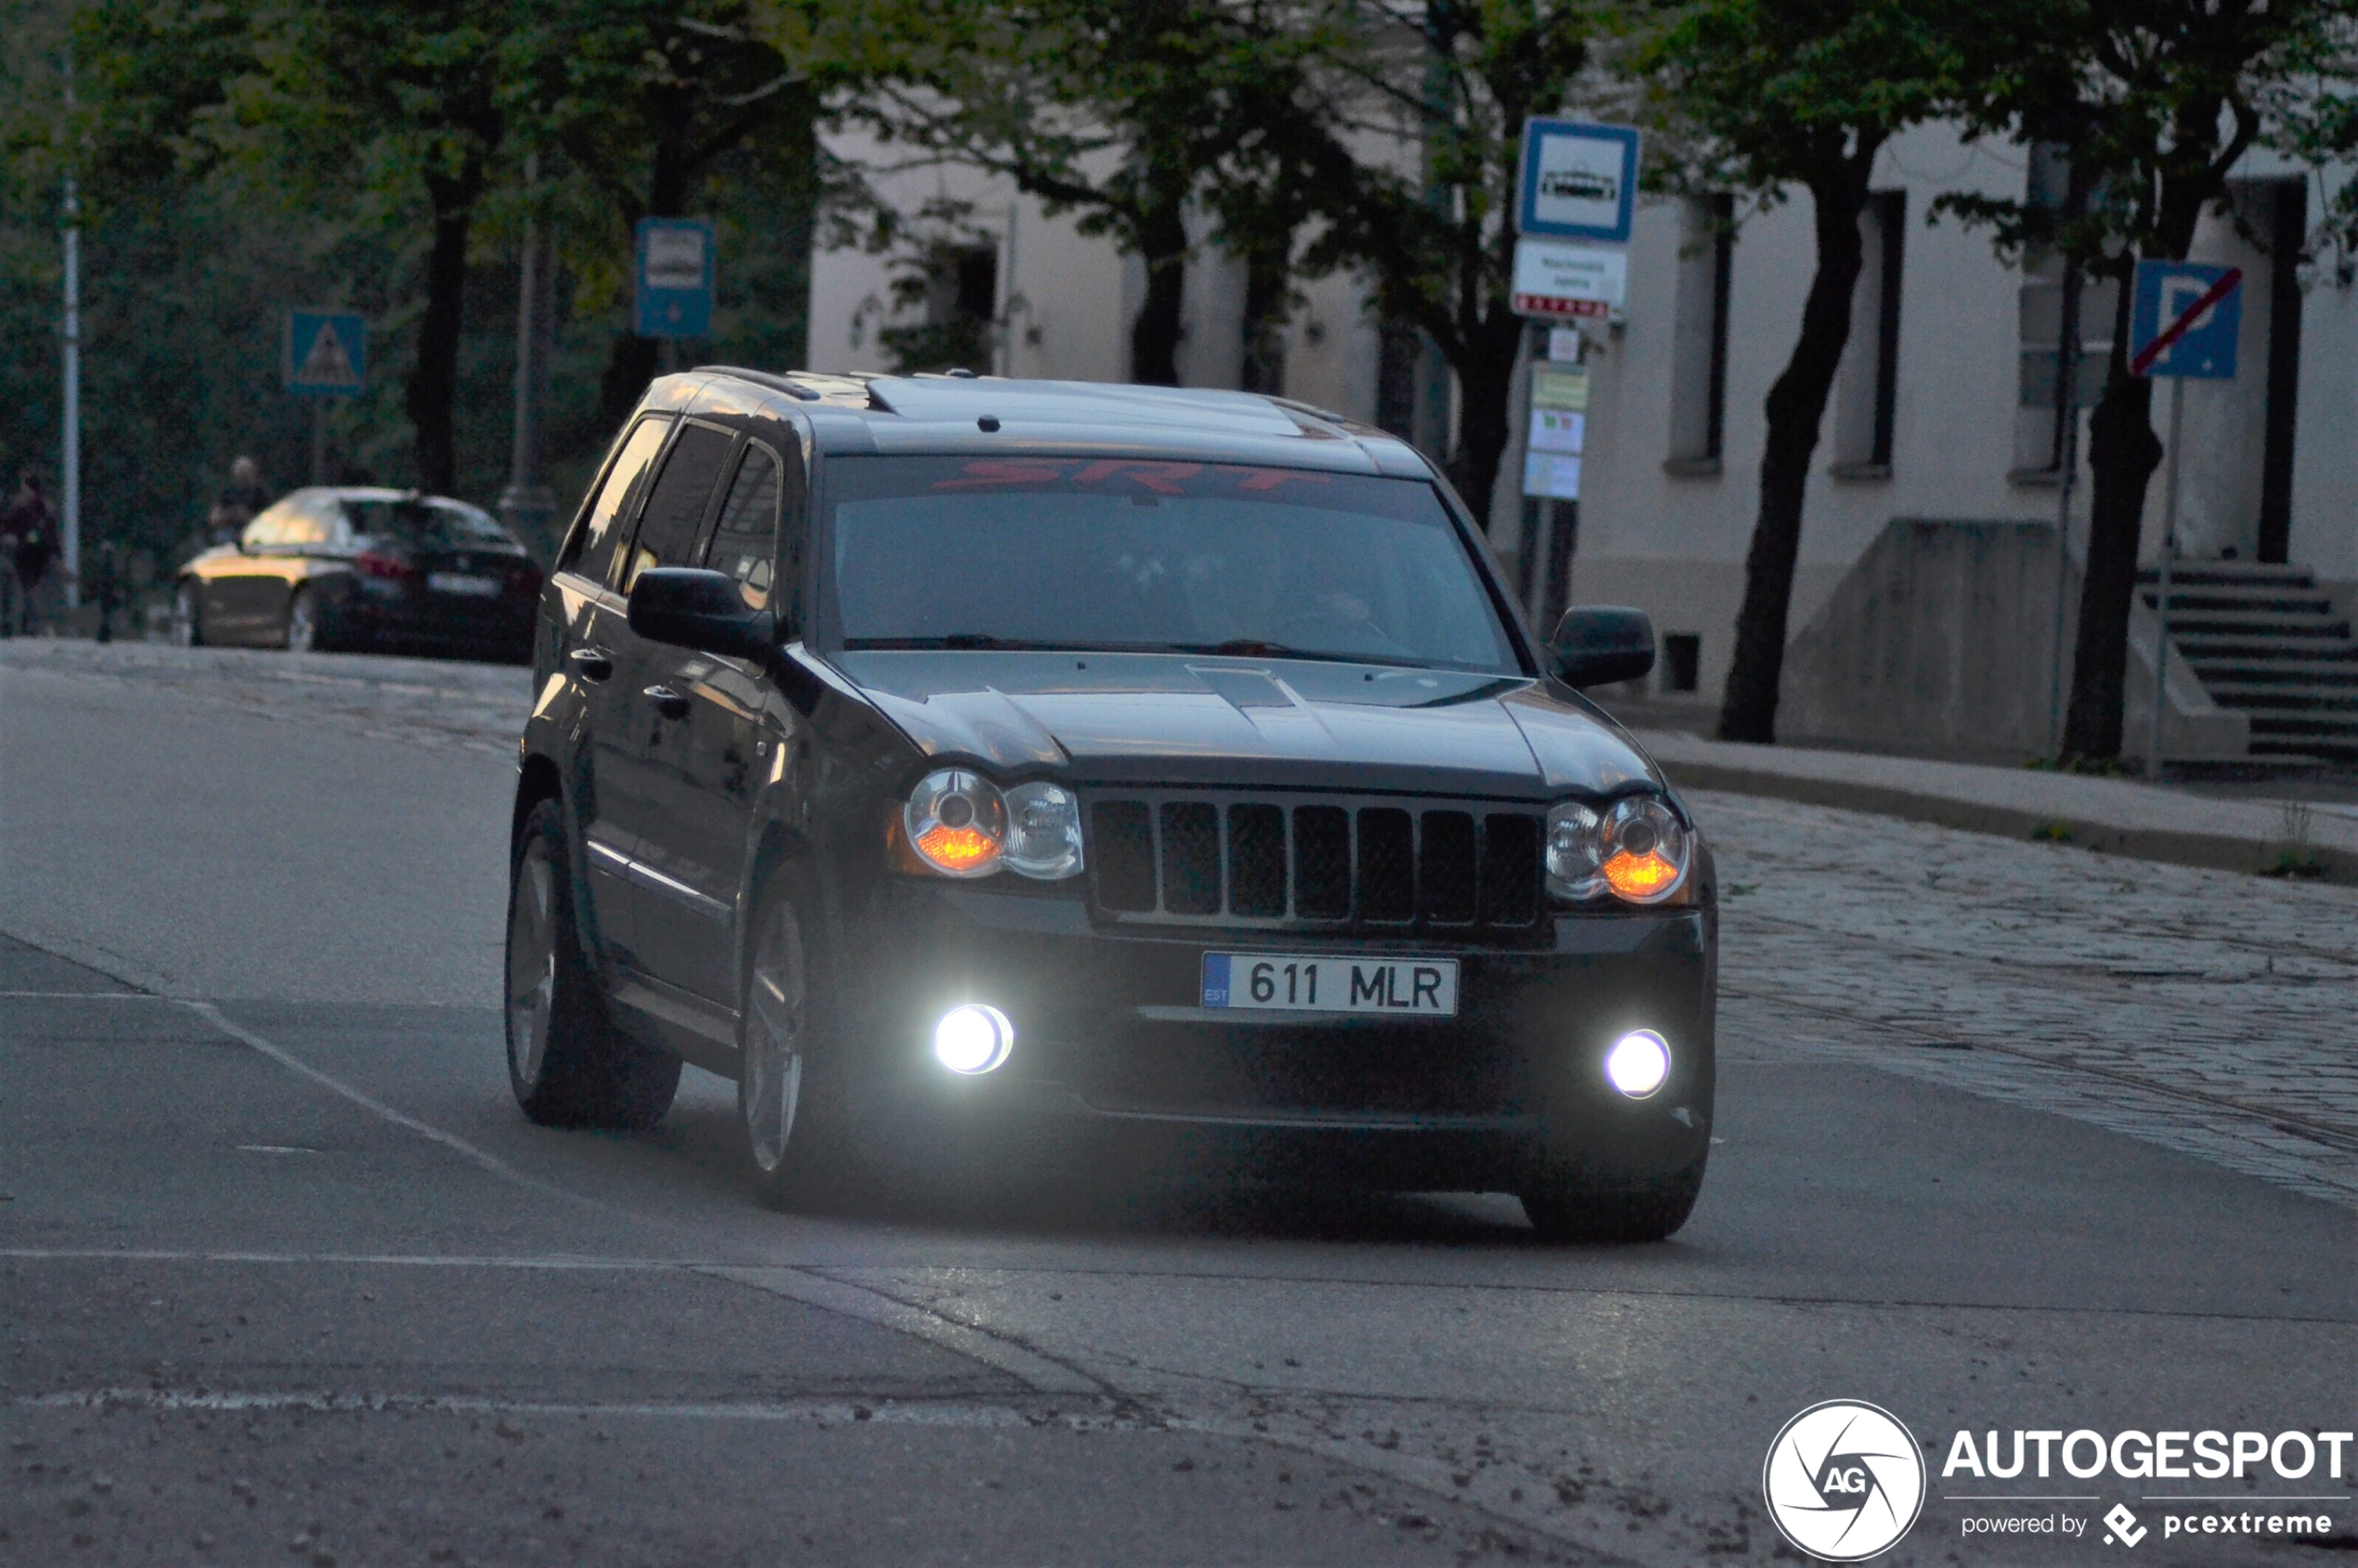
(1176, 719)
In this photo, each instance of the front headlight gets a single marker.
(957, 823)
(1637, 848)
(1043, 831)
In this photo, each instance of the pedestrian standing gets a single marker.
(236, 506)
(32, 531)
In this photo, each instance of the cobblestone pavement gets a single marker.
(2207, 1011)
(422, 702)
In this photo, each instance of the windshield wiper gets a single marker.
(1254, 648)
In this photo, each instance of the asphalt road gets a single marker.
(287, 1277)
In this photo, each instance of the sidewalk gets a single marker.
(2113, 815)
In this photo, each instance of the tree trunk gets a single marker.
(432, 389)
(1154, 336)
(1485, 389)
(1797, 408)
(2123, 453)
(631, 364)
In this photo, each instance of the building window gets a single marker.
(957, 288)
(1869, 383)
(1681, 660)
(2050, 305)
(1699, 333)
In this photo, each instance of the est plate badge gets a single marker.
(1324, 983)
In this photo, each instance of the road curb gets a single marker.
(2256, 855)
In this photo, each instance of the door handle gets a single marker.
(594, 664)
(668, 702)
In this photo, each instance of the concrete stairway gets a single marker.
(2266, 642)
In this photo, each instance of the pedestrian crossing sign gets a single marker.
(327, 353)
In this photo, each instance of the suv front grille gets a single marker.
(1325, 862)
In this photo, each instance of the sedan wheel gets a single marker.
(303, 622)
(188, 624)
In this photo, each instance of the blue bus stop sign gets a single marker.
(674, 275)
(327, 354)
(2183, 321)
(1579, 181)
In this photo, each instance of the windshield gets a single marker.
(1113, 553)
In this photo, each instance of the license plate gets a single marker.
(1291, 982)
(471, 588)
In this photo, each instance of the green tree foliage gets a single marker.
(237, 158)
(1399, 153)
(1130, 112)
(1768, 97)
(2152, 103)
(661, 108)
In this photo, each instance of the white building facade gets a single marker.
(1943, 410)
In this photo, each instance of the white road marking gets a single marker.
(815, 1412)
(377, 1107)
(558, 1263)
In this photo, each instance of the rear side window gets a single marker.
(593, 545)
(745, 543)
(675, 506)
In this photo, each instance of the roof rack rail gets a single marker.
(766, 378)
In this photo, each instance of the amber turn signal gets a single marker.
(1639, 876)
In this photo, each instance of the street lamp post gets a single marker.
(527, 504)
(69, 454)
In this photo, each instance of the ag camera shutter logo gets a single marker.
(1844, 1481)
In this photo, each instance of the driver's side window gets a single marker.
(592, 551)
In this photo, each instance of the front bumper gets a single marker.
(1112, 1040)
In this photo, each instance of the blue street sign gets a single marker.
(1579, 181)
(327, 353)
(674, 276)
(2183, 321)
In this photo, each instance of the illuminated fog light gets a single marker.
(1638, 1063)
(974, 1039)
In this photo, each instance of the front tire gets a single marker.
(789, 1069)
(305, 632)
(567, 1063)
(188, 616)
(1577, 1203)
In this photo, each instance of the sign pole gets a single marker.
(2169, 550)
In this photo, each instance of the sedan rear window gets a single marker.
(434, 524)
(1116, 553)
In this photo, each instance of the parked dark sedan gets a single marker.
(943, 757)
(365, 569)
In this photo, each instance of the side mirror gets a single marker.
(691, 608)
(1597, 643)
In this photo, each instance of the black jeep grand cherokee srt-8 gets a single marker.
(948, 754)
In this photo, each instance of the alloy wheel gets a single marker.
(775, 1022)
(532, 962)
(302, 625)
